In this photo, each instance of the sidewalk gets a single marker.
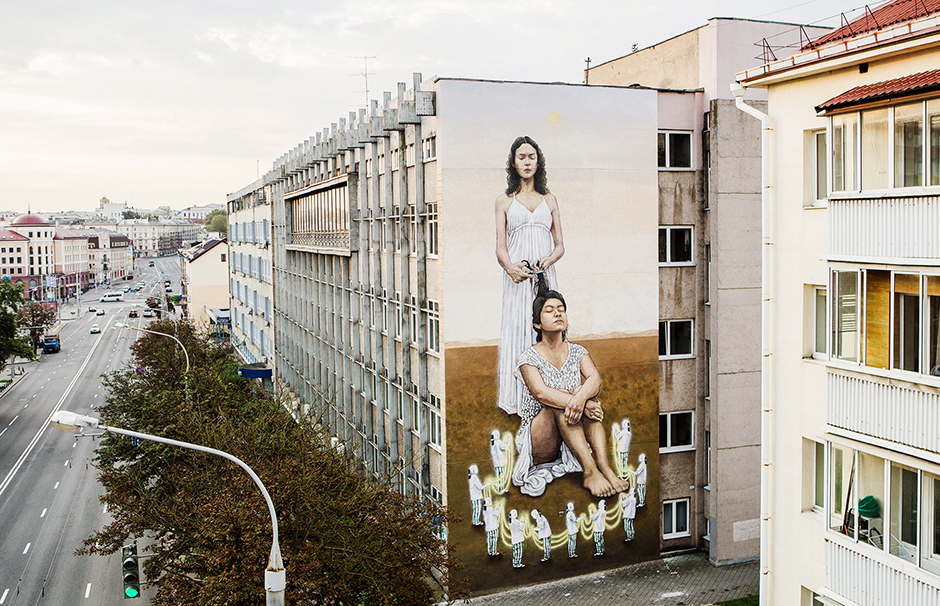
(683, 580)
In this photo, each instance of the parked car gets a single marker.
(100, 312)
(168, 289)
(132, 313)
(95, 329)
(148, 313)
(91, 309)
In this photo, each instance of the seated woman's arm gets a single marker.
(572, 404)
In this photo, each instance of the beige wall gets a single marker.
(207, 283)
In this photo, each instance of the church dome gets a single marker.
(30, 219)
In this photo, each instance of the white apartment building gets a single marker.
(853, 319)
(159, 237)
(198, 213)
(205, 279)
(251, 274)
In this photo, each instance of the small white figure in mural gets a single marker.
(599, 518)
(571, 524)
(544, 534)
(624, 435)
(491, 525)
(517, 536)
(498, 453)
(641, 482)
(476, 494)
(628, 504)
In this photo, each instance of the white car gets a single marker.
(95, 329)
(148, 313)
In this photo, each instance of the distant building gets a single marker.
(205, 280)
(13, 247)
(251, 275)
(158, 237)
(198, 213)
(71, 262)
(40, 256)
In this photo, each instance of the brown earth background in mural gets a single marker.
(629, 368)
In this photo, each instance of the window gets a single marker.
(434, 427)
(904, 515)
(708, 274)
(909, 145)
(675, 431)
(675, 519)
(434, 326)
(674, 149)
(708, 369)
(844, 150)
(431, 238)
(819, 476)
(906, 322)
(675, 246)
(223, 257)
(820, 160)
(874, 143)
(708, 459)
(675, 339)
(933, 140)
(845, 315)
(842, 486)
(820, 306)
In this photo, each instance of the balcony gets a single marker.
(866, 579)
(889, 409)
(885, 228)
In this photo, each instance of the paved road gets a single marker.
(48, 492)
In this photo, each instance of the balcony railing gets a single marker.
(865, 580)
(882, 408)
(903, 228)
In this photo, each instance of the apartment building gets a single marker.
(159, 237)
(709, 279)
(389, 304)
(853, 319)
(70, 255)
(205, 279)
(12, 247)
(251, 274)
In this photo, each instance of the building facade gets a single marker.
(40, 256)
(854, 313)
(13, 247)
(251, 274)
(159, 237)
(71, 262)
(389, 304)
(709, 278)
(205, 279)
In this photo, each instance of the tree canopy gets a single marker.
(217, 220)
(11, 343)
(130, 214)
(35, 317)
(345, 539)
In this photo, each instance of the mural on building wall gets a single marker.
(552, 430)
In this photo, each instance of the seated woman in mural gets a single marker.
(561, 429)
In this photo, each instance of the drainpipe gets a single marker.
(767, 204)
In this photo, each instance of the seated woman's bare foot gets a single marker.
(618, 484)
(598, 485)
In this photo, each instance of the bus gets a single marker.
(112, 296)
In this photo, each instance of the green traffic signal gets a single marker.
(131, 571)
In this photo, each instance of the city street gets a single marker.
(49, 492)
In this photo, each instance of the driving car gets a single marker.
(100, 312)
(132, 313)
(91, 309)
(148, 313)
(168, 289)
(95, 329)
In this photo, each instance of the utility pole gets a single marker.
(587, 70)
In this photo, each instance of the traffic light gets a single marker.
(131, 571)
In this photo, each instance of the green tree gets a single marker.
(129, 214)
(217, 220)
(35, 317)
(11, 342)
(345, 539)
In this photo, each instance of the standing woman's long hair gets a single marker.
(513, 181)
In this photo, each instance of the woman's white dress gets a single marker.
(529, 238)
(532, 479)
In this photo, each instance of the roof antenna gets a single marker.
(587, 70)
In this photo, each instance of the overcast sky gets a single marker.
(177, 103)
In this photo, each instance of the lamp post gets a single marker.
(275, 576)
(153, 332)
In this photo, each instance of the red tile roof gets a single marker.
(906, 85)
(890, 13)
(6, 234)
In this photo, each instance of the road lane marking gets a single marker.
(4, 596)
(45, 425)
(66, 463)
(27, 548)
(43, 514)
(14, 420)
(56, 487)
(4, 431)
(87, 590)
(74, 444)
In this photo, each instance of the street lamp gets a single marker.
(275, 576)
(153, 332)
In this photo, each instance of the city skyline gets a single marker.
(178, 105)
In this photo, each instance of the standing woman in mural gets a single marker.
(528, 240)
